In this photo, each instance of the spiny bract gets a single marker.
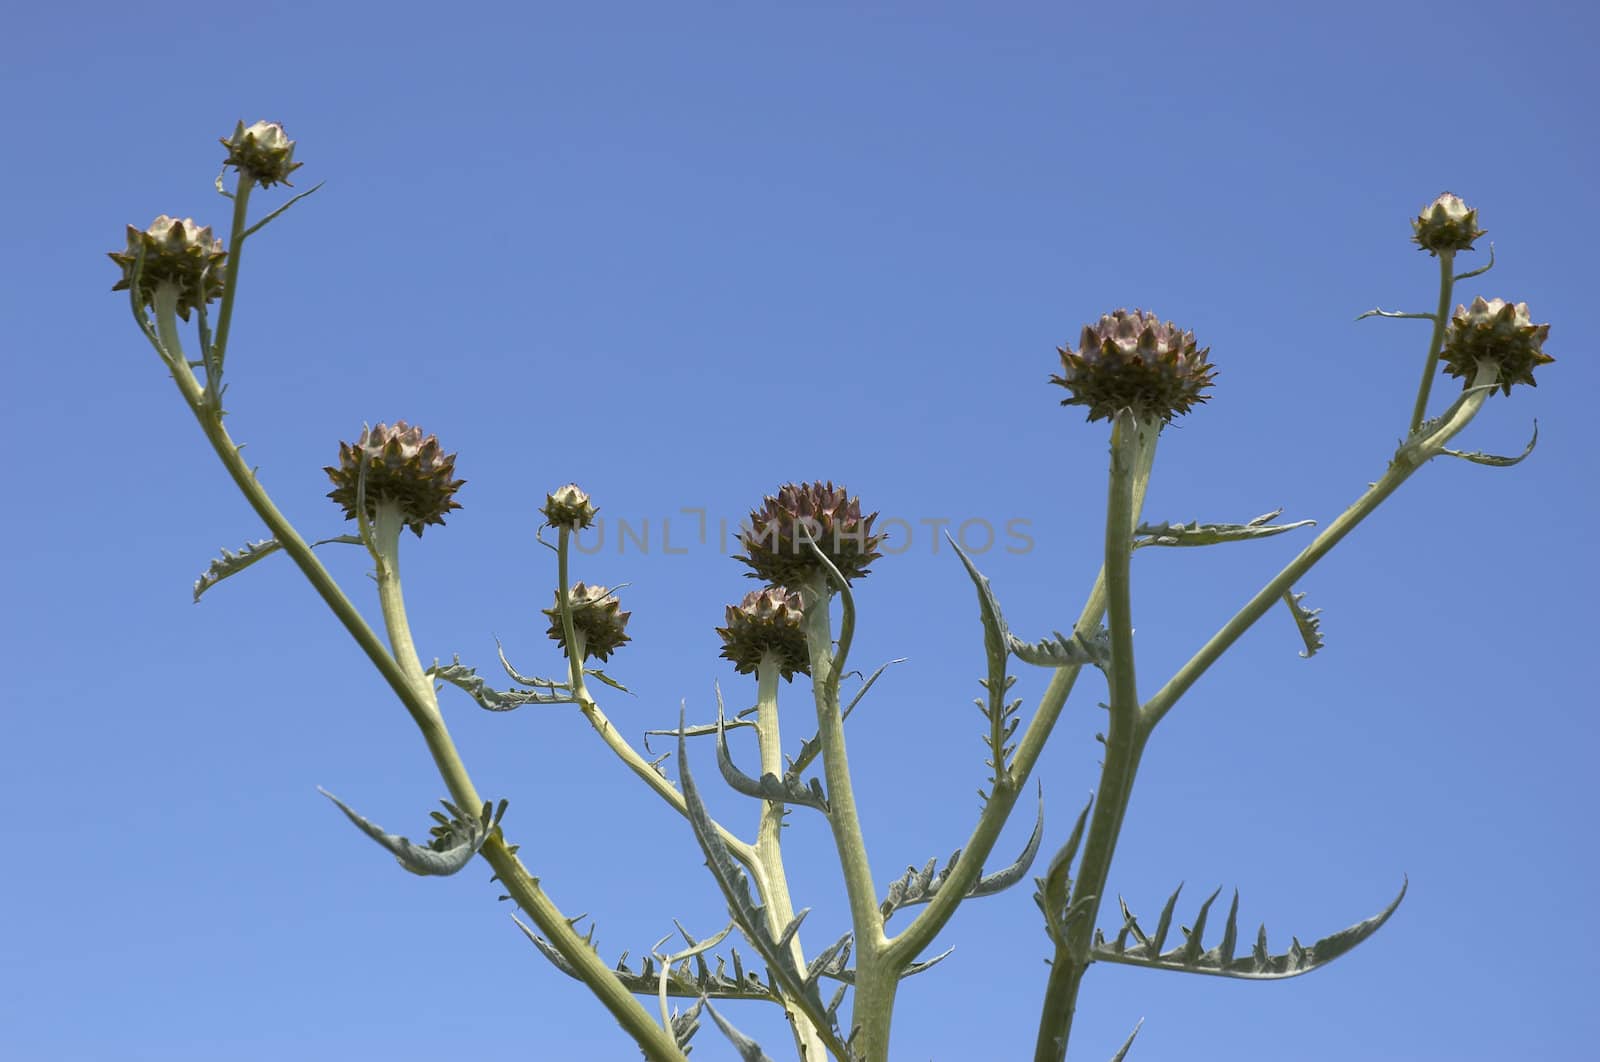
(402, 466)
(775, 539)
(766, 621)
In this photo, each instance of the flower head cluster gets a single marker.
(1134, 360)
(261, 153)
(1445, 226)
(597, 618)
(1499, 332)
(402, 466)
(766, 621)
(568, 507)
(776, 538)
(175, 251)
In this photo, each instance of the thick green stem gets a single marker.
(1124, 743)
(1411, 456)
(875, 979)
(1441, 315)
(657, 1043)
(230, 272)
(911, 941)
(769, 848)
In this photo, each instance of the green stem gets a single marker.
(1411, 456)
(876, 980)
(1441, 316)
(769, 847)
(1124, 744)
(641, 767)
(911, 941)
(657, 1043)
(230, 273)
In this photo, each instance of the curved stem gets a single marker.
(657, 1043)
(641, 767)
(1441, 317)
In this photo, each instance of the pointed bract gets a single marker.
(1134, 360)
(1497, 331)
(775, 538)
(596, 615)
(568, 507)
(766, 620)
(1446, 225)
(261, 153)
(175, 250)
(403, 466)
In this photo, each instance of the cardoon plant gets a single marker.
(807, 545)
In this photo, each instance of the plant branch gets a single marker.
(1441, 318)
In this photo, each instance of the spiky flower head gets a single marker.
(261, 153)
(175, 250)
(568, 507)
(402, 466)
(775, 539)
(1496, 331)
(1134, 360)
(1446, 225)
(597, 617)
(766, 621)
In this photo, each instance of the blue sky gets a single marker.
(685, 253)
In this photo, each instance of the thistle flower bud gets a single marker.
(176, 251)
(775, 538)
(568, 507)
(766, 621)
(261, 153)
(596, 617)
(404, 467)
(1496, 331)
(1445, 225)
(1134, 361)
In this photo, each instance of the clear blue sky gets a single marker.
(682, 254)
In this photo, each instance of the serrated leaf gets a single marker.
(750, 916)
(1064, 650)
(596, 673)
(920, 886)
(1198, 534)
(467, 679)
(231, 563)
(520, 679)
(997, 647)
(1055, 888)
(684, 981)
(452, 847)
(1259, 964)
(1305, 619)
(1478, 457)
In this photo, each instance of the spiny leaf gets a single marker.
(1064, 650)
(1306, 620)
(1478, 457)
(1055, 888)
(920, 886)
(231, 563)
(749, 1050)
(1122, 1052)
(685, 1024)
(467, 679)
(768, 787)
(1259, 964)
(750, 916)
(455, 841)
(1198, 534)
(685, 981)
(525, 680)
(596, 673)
(997, 647)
